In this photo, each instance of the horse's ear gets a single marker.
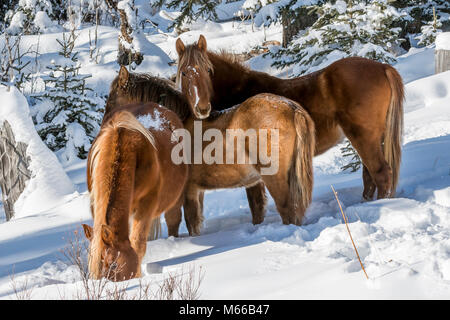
(201, 43)
(179, 46)
(123, 76)
(107, 235)
(87, 231)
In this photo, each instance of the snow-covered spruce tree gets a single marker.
(191, 10)
(294, 15)
(421, 19)
(343, 29)
(68, 115)
(429, 32)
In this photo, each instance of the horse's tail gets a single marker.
(301, 177)
(155, 228)
(105, 164)
(392, 144)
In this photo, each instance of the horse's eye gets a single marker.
(183, 74)
(209, 70)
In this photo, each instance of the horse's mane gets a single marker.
(229, 58)
(144, 87)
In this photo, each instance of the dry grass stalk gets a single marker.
(348, 229)
(176, 285)
(22, 291)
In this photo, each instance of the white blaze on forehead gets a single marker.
(197, 99)
(154, 121)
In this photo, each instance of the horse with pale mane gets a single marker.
(130, 176)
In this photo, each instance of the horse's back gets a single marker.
(160, 122)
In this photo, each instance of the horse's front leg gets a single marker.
(173, 217)
(193, 209)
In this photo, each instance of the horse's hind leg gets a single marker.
(368, 146)
(279, 190)
(193, 210)
(369, 185)
(257, 200)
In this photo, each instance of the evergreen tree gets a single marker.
(191, 10)
(68, 116)
(343, 29)
(429, 32)
(421, 19)
(349, 152)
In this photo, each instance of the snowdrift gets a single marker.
(49, 182)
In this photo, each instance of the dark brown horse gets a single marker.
(356, 97)
(290, 184)
(130, 175)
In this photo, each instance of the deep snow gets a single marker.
(404, 242)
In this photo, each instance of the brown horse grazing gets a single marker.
(290, 185)
(356, 97)
(130, 175)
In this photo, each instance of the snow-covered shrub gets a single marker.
(68, 113)
(30, 17)
(103, 12)
(13, 66)
(428, 33)
(343, 29)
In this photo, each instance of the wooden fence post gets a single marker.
(442, 54)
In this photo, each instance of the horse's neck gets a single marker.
(236, 85)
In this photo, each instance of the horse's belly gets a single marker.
(328, 138)
(222, 176)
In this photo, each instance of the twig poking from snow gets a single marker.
(348, 229)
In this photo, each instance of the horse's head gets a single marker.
(118, 93)
(118, 261)
(194, 76)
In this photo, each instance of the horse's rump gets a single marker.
(105, 166)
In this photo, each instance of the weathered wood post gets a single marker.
(14, 172)
(442, 54)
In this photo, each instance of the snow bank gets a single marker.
(49, 183)
(428, 92)
(443, 41)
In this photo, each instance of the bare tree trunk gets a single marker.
(14, 172)
(294, 21)
(126, 56)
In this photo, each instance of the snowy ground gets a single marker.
(404, 243)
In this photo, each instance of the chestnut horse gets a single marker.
(290, 185)
(130, 175)
(356, 97)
